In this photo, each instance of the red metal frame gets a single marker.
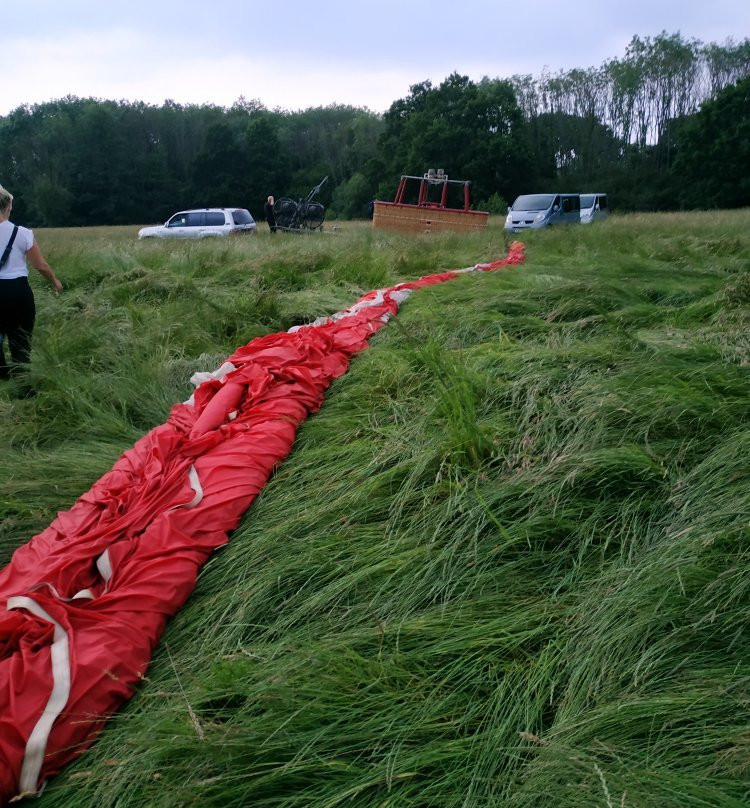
(425, 182)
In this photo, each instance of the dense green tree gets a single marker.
(97, 187)
(36, 144)
(351, 197)
(267, 162)
(335, 142)
(577, 150)
(616, 125)
(473, 131)
(713, 152)
(724, 65)
(219, 170)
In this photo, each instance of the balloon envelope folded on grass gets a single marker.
(83, 604)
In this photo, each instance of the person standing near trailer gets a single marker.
(269, 214)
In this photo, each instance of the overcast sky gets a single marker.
(292, 55)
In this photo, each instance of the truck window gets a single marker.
(214, 218)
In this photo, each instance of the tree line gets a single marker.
(666, 126)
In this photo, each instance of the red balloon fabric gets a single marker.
(83, 604)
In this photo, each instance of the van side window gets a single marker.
(194, 219)
(567, 204)
(602, 203)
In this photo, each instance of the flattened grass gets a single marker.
(506, 563)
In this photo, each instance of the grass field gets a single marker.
(507, 564)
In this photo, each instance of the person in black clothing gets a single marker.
(268, 211)
(17, 310)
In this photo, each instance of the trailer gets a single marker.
(421, 205)
(301, 215)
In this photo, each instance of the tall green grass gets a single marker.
(507, 562)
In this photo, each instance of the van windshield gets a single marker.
(587, 200)
(533, 202)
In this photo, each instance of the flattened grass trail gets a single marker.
(505, 565)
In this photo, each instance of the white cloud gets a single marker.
(123, 65)
(83, 65)
(341, 53)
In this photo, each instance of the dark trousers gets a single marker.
(17, 315)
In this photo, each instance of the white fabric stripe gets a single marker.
(378, 300)
(195, 484)
(84, 593)
(36, 746)
(104, 565)
(401, 294)
(201, 376)
(397, 295)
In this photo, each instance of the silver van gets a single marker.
(543, 210)
(593, 208)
